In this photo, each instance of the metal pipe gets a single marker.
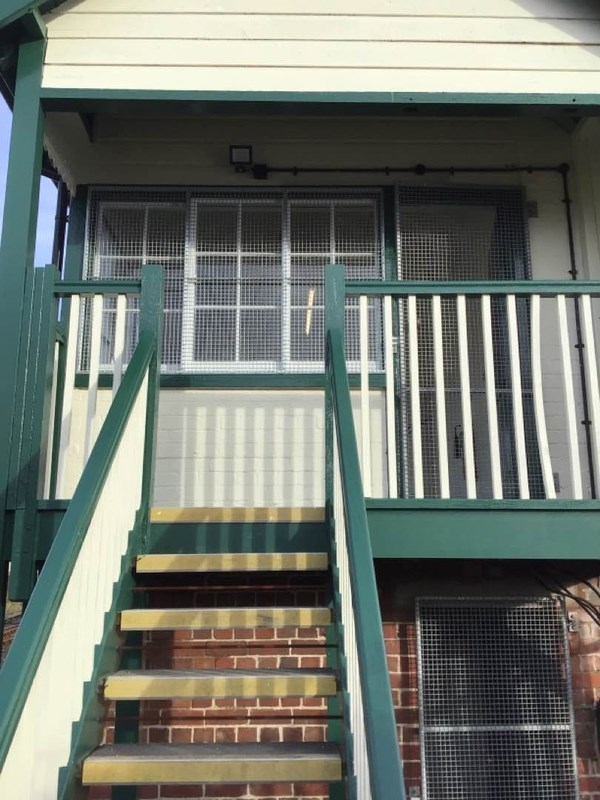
(564, 171)
(262, 171)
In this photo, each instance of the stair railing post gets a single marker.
(335, 292)
(151, 320)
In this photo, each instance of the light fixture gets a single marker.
(240, 156)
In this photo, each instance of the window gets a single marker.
(244, 271)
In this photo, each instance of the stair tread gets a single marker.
(182, 674)
(224, 752)
(231, 562)
(236, 617)
(151, 764)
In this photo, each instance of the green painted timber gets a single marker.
(65, 288)
(151, 324)
(24, 656)
(253, 380)
(485, 529)
(26, 457)
(18, 242)
(545, 288)
(68, 99)
(12, 10)
(385, 768)
(238, 537)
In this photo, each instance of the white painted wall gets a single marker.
(546, 46)
(239, 448)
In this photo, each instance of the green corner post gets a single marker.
(18, 240)
(335, 295)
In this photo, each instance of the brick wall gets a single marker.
(584, 642)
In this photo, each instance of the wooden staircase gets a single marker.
(235, 689)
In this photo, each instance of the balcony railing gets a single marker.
(490, 389)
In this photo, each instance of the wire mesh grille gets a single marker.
(496, 719)
(455, 234)
(244, 271)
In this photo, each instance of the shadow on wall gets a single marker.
(240, 449)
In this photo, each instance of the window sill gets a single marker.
(239, 381)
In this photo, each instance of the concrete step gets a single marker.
(172, 684)
(231, 562)
(226, 763)
(152, 619)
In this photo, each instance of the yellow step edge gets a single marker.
(205, 764)
(146, 619)
(231, 562)
(209, 514)
(167, 685)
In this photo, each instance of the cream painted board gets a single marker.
(366, 55)
(314, 28)
(559, 9)
(316, 79)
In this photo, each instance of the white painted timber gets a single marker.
(517, 396)
(440, 396)
(67, 402)
(465, 396)
(490, 386)
(569, 395)
(35, 758)
(365, 414)
(329, 45)
(390, 398)
(94, 372)
(591, 366)
(538, 399)
(119, 356)
(49, 444)
(415, 397)
(353, 671)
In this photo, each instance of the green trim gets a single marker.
(242, 381)
(151, 324)
(238, 537)
(65, 288)
(74, 254)
(386, 778)
(530, 530)
(15, 9)
(324, 98)
(24, 656)
(546, 288)
(18, 243)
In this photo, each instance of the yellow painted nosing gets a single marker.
(166, 688)
(148, 771)
(190, 618)
(210, 514)
(231, 562)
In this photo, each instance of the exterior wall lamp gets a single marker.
(240, 156)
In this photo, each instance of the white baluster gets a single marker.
(119, 354)
(569, 394)
(490, 387)
(390, 401)
(538, 399)
(465, 394)
(67, 404)
(440, 396)
(364, 395)
(517, 397)
(415, 396)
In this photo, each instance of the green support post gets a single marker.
(18, 240)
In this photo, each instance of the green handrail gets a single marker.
(385, 766)
(426, 288)
(66, 288)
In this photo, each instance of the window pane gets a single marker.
(121, 231)
(214, 335)
(216, 293)
(261, 229)
(166, 233)
(310, 229)
(216, 228)
(355, 230)
(260, 335)
(307, 347)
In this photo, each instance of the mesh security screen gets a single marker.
(244, 271)
(473, 234)
(495, 700)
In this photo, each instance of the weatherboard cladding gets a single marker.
(502, 46)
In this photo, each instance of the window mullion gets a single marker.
(286, 278)
(238, 292)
